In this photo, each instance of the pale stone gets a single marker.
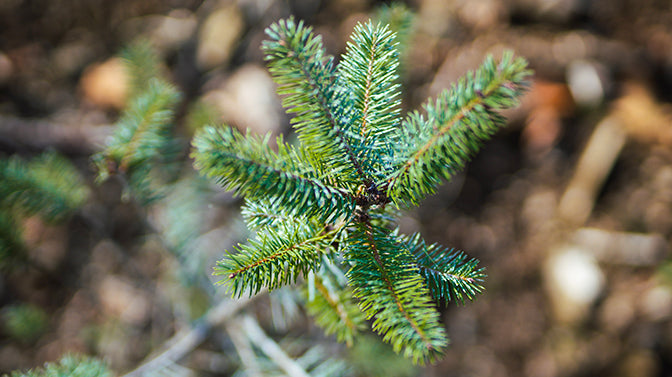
(575, 281)
(121, 299)
(106, 84)
(585, 83)
(219, 36)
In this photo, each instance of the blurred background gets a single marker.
(568, 208)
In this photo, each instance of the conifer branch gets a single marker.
(308, 83)
(69, 365)
(332, 309)
(274, 259)
(48, 185)
(331, 192)
(399, 18)
(247, 165)
(456, 125)
(142, 65)
(386, 281)
(368, 70)
(261, 214)
(447, 272)
(141, 133)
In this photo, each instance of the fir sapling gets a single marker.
(324, 209)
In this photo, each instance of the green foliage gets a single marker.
(307, 82)
(387, 282)
(143, 134)
(25, 323)
(399, 18)
(372, 358)
(440, 144)
(275, 259)
(200, 113)
(330, 302)
(248, 166)
(69, 366)
(48, 186)
(328, 203)
(664, 273)
(368, 71)
(147, 156)
(447, 272)
(180, 218)
(142, 66)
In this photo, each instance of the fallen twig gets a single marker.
(185, 341)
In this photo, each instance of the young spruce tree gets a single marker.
(324, 209)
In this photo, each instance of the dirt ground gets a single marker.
(568, 208)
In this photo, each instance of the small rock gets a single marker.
(218, 37)
(585, 82)
(571, 46)
(557, 11)
(47, 244)
(575, 281)
(105, 258)
(437, 17)
(166, 32)
(12, 357)
(106, 84)
(482, 15)
(120, 299)
(541, 364)
(174, 29)
(539, 209)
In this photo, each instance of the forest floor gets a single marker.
(569, 208)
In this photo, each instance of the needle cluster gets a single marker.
(324, 209)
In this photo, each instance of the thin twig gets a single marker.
(270, 347)
(244, 348)
(185, 341)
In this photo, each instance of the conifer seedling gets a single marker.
(324, 210)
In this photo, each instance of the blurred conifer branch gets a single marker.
(143, 135)
(48, 186)
(71, 366)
